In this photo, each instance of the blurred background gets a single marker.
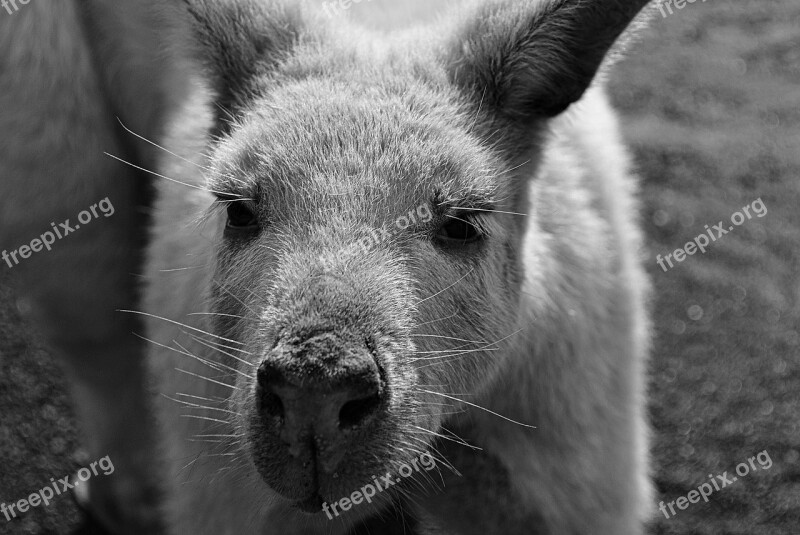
(710, 101)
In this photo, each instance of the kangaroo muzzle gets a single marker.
(315, 395)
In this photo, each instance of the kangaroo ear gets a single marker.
(527, 60)
(240, 42)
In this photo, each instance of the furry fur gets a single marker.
(542, 321)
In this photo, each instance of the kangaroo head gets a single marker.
(371, 197)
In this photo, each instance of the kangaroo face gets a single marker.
(368, 261)
(368, 265)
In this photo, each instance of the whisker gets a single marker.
(251, 292)
(182, 351)
(445, 289)
(218, 366)
(428, 446)
(196, 406)
(451, 338)
(457, 439)
(212, 364)
(452, 357)
(458, 219)
(199, 341)
(197, 417)
(222, 287)
(179, 269)
(179, 324)
(487, 347)
(437, 351)
(206, 379)
(216, 314)
(479, 407)
(213, 400)
(218, 344)
(486, 210)
(163, 176)
(162, 148)
(190, 464)
(526, 162)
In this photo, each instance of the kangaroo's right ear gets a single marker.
(240, 42)
(526, 60)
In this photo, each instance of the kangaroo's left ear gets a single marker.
(529, 60)
(240, 42)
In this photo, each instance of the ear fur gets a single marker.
(240, 42)
(529, 60)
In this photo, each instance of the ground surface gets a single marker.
(711, 102)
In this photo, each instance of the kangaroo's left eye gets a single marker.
(242, 216)
(458, 229)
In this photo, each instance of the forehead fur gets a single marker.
(386, 131)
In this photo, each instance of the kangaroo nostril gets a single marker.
(269, 401)
(266, 372)
(271, 405)
(357, 411)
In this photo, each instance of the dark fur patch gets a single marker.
(240, 43)
(529, 60)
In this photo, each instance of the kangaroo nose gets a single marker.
(318, 404)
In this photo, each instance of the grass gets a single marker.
(711, 103)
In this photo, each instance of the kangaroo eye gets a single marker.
(458, 230)
(241, 216)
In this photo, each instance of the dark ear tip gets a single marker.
(529, 62)
(544, 106)
(238, 41)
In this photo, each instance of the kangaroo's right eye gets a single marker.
(242, 216)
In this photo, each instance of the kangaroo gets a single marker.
(488, 314)
(504, 335)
